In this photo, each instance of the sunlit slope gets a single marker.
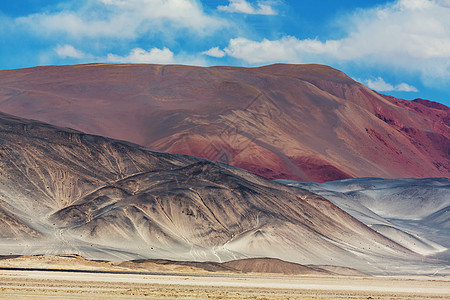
(69, 192)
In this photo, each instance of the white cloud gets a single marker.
(265, 51)
(124, 19)
(138, 55)
(287, 49)
(69, 51)
(244, 7)
(405, 30)
(414, 4)
(214, 52)
(380, 85)
(404, 87)
(412, 35)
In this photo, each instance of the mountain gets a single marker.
(299, 122)
(63, 191)
(414, 213)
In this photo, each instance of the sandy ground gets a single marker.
(64, 285)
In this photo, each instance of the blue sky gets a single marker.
(399, 47)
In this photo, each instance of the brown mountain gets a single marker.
(68, 192)
(301, 122)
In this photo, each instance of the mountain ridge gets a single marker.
(107, 199)
(301, 122)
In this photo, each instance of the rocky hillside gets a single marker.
(62, 191)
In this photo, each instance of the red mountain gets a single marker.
(301, 122)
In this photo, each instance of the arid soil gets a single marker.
(61, 285)
(74, 277)
(72, 262)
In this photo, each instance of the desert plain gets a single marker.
(72, 277)
(65, 285)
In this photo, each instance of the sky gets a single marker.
(399, 47)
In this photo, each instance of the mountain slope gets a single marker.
(102, 198)
(412, 212)
(300, 122)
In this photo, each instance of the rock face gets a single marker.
(68, 192)
(300, 122)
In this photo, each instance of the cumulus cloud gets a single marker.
(214, 52)
(380, 85)
(69, 51)
(287, 49)
(123, 19)
(412, 35)
(138, 55)
(244, 7)
(414, 29)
